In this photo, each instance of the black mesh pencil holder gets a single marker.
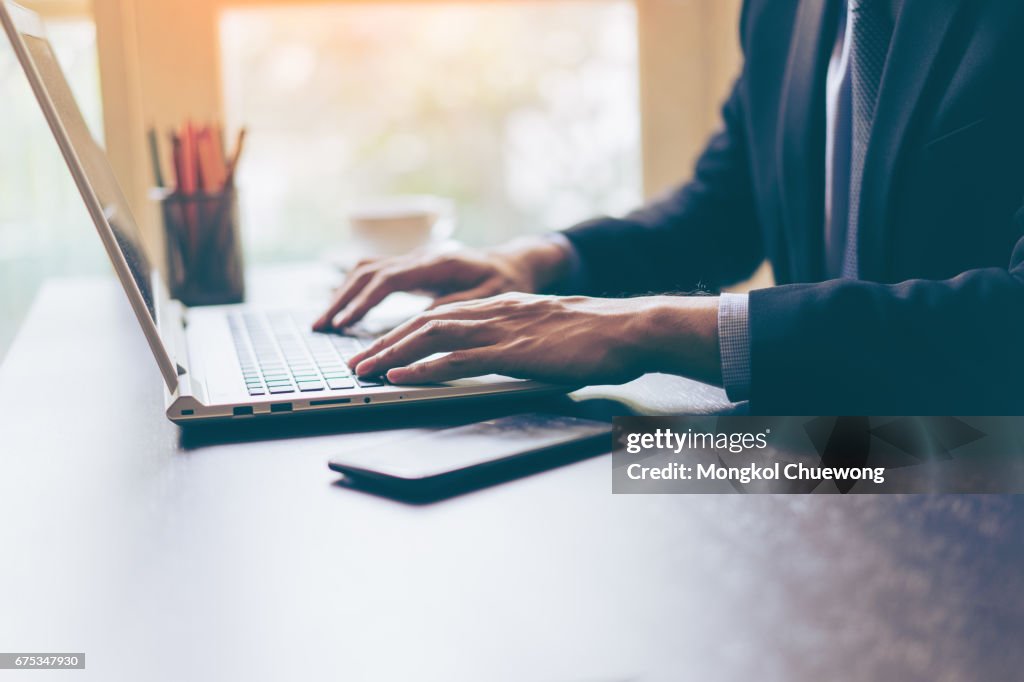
(204, 250)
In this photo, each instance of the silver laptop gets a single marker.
(219, 362)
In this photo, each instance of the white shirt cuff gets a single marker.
(734, 343)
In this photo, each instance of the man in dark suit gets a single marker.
(872, 151)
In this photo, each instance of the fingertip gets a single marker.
(399, 375)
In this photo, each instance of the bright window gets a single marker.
(44, 227)
(525, 113)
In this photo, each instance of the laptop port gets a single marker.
(324, 403)
(243, 411)
(281, 407)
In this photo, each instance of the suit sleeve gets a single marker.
(703, 235)
(951, 347)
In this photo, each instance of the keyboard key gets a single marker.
(277, 355)
(373, 382)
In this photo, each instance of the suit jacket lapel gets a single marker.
(920, 34)
(801, 141)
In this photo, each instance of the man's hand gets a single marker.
(572, 341)
(528, 265)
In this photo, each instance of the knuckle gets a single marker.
(433, 328)
(453, 308)
(459, 359)
(364, 272)
(450, 259)
(385, 275)
(375, 349)
(478, 330)
(385, 355)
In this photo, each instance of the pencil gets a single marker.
(179, 165)
(154, 153)
(233, 163)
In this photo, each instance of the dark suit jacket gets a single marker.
(938, 325)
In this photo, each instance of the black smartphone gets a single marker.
(467, 457)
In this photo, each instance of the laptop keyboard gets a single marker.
(278, 357)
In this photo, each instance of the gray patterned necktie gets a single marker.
(871, 30)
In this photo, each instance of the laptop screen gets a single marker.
(96, 167)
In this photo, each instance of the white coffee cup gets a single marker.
(392, 226)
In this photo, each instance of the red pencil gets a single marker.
(189, 160)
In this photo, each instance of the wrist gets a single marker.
(679, 335)
(541, 261)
